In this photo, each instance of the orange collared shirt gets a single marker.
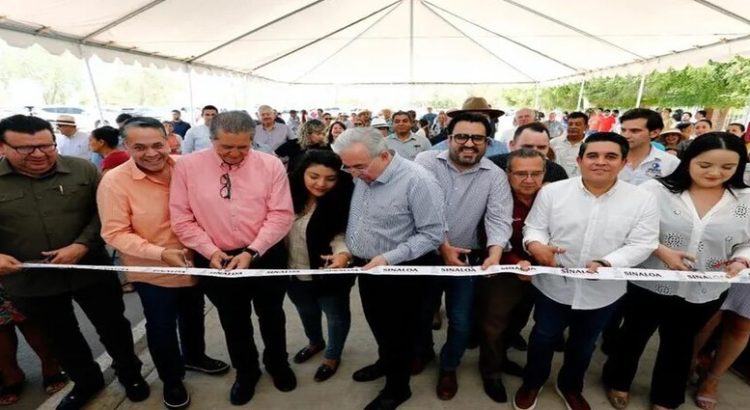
(134, 210)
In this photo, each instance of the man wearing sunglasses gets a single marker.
(232, 205)
(476, 192)
(48, 212)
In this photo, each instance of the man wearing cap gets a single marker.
(73, 143)
(180, 126)
(198, 138)
(406, 143)
(380, 125)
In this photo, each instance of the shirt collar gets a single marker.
(390, 171)
(608, 193)
(60, 166)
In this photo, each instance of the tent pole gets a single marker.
(411, 41)
(580, 95)
(190, 91)
(640, 90)
(93, 84)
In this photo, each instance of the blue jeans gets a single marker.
(551, 320)
(459, 303)
(311, 305)
(167, 311)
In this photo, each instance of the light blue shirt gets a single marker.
(196, 139)
(400, 215)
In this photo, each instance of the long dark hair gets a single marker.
(330, 130)
(339, 196)
(680, 180)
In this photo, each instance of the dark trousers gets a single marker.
(167, 311)
(678, 322)
(102, 304)
(391, 304)
(498, 299)
(551, 319)
(235, 298)
(521, 314)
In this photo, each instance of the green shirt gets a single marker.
(47, 213)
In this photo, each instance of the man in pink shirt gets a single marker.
(133, 202)
(232, 205)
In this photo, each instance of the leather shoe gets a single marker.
(369, 373)
(284, 379)
(306, 353)
(512, 368)
(386, 401)
(526, 398)
(495, 390)
(208, 365)
(79, 396)
(574, 400)
(324, 372)
(136, 389)
(447, 385)
(418, 364)
(618, 399)
(243, 389)
(175, 396)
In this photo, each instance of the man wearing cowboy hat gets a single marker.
(476, 105)
(73, 143)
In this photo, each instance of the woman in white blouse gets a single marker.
(321, 193)
(704, 210)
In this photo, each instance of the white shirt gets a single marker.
(75, 146)
(566, 154)
(196, 139)
(620, 227)
(657, 164)
(722, 234)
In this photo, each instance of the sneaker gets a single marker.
(526, 398)
(175, 396)
(573, 400)
(207, 365)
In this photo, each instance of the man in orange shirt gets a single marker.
(133, 204)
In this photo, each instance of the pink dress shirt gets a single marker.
(258, 215)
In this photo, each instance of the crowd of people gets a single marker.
(592, 190)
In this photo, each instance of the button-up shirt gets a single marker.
(656, 164)
(258, 214)
(479, 193)
(277, 135)
(411, 147)
(722, 234)
(620, 227)
(566, 154)
(134, 210)
(47, 213)
(517, 253)
(76, 145)
(399, 215)
(197, 138)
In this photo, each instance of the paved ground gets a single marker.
(33, 395)
(341, 392)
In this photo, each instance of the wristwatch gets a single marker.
(253, 253)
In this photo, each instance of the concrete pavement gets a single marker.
(342, 393)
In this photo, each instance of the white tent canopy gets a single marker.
(390, 41)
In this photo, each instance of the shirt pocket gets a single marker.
(11, 204)
(73, 196)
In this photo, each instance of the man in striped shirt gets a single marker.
(475, 191)
(396, 218)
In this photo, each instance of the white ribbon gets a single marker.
(578, 273)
